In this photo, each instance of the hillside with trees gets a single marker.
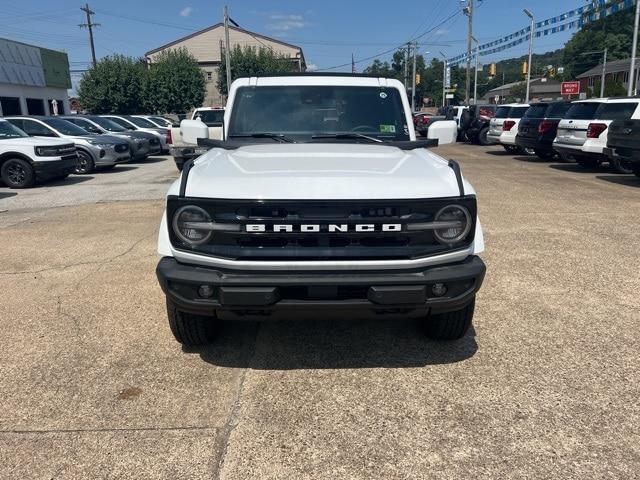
(577, 56)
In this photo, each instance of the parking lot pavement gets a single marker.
(141, 180)
(545, 386)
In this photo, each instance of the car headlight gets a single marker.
(192, 225)
(103, 145)
(47, 151)
(455, 223)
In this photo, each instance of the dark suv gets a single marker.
(474, 123)
(539, 126)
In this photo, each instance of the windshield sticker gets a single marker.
(383, 94)
(388, 128)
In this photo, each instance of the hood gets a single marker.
(321, 171)
(35, 142)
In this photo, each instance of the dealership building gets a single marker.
(33, 80)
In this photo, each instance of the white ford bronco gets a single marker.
(319, 198)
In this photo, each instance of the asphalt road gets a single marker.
(545, 387)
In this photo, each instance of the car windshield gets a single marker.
(536, 111)
(107, 124)
(8, 130)
(517, 112)
(502, 112)
(616, 111)
(161, 121)
(141, 122)
(301, 112)
(210, 117)
(557, 110)
(65, 127)
(582, 111)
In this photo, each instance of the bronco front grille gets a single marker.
(401, 242)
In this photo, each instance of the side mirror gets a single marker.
(192, 130)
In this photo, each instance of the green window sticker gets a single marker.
(387, 128)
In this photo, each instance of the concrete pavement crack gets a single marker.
(80, 264)
(234, 416)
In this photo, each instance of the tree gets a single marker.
(251, 62)
(175, 83)
(114, 85)
(612, 88)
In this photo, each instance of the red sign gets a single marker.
(570, 88)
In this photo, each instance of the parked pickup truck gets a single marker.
(311, 204)
(623, 144)
(182, 150)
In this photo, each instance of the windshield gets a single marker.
(616, 111)
(210, 118)
(107, 124)
(141, 122)
(536, 111)
(7, 130)
(557, 110)
(65, 127)
(502, 112)
(163, 122)
(582, 111)
(302, 111)
(517, 112)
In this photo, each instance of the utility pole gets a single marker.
(413, 82)
(631, 89)
(227, 59)
(604, 71)
(406, 66)
(468, 10)
(475, 80)
(529, 66)
(444, 79)
(89, 25)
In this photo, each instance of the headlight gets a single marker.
(185, 225)
(456, 223)
(47, 151)
(103, 145)
(138, 140)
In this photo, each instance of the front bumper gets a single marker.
(53, 168)
(267, 292)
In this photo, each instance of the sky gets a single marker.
(329, 31)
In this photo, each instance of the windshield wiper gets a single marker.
(279, 137)
(348, 136)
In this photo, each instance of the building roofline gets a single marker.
(231, 27)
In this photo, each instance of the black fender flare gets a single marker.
(7, 155)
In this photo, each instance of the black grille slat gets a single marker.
(322, 245)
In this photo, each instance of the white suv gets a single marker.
(25, 160)
(589, 136)
(508, 116)
(312, 203)
(572, 129)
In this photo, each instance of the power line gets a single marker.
(394, 48)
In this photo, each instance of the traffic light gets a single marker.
(525, 68)
(418, 78)
(492, 69)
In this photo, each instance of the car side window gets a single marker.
(88, 126)
(36, 129)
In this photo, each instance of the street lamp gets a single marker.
(531, 33)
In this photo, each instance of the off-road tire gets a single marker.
(17, 173)
(543, 154)
(450, 325)
(84, 163)
(189, 329)
(482, 137)
(619, 166)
